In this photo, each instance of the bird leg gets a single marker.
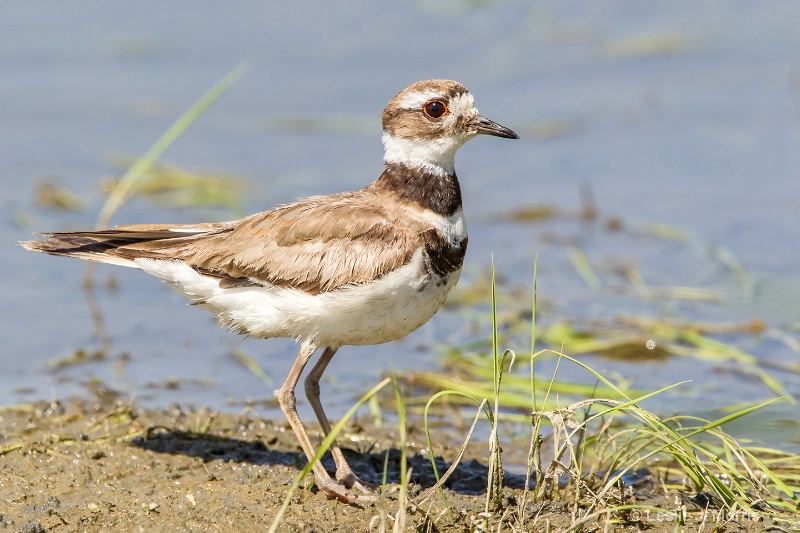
(344, 474)
(287, 401)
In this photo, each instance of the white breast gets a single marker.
(371, 313)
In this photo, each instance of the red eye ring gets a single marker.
(435, 109)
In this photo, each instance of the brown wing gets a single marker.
(312, 246)
(317, 245)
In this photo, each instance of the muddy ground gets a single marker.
(90, 466)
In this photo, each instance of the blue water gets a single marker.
(681, 113)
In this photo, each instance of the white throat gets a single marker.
(437, 155)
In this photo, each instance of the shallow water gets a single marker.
(683, 114)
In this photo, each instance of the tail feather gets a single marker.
(77, 246)
(118, 246)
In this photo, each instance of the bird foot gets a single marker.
(333, 490)
(352, 481)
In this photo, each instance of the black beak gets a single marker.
(488, 127)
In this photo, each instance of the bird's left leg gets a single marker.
(344, 474)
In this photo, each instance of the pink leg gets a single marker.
(344, 474)
(286, 399)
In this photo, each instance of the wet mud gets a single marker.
(86, 466)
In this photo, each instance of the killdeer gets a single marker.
(354, 268)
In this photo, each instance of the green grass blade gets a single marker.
(399, 523)
(427, 426)
(121, 193)
(252, 365)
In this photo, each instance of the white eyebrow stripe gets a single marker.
(415, 100)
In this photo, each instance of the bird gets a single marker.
(353, 268)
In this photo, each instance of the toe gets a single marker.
(344, 495)
(352, 481)
(339, 492)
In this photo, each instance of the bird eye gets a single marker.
(435, 109)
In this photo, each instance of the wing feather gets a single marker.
(317, 244)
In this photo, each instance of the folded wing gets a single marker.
(316, 245)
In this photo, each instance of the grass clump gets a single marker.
(590, 452)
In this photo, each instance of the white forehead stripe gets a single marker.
(463, 105)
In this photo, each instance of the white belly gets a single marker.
(385, 310)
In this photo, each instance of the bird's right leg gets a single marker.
(287, 401)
